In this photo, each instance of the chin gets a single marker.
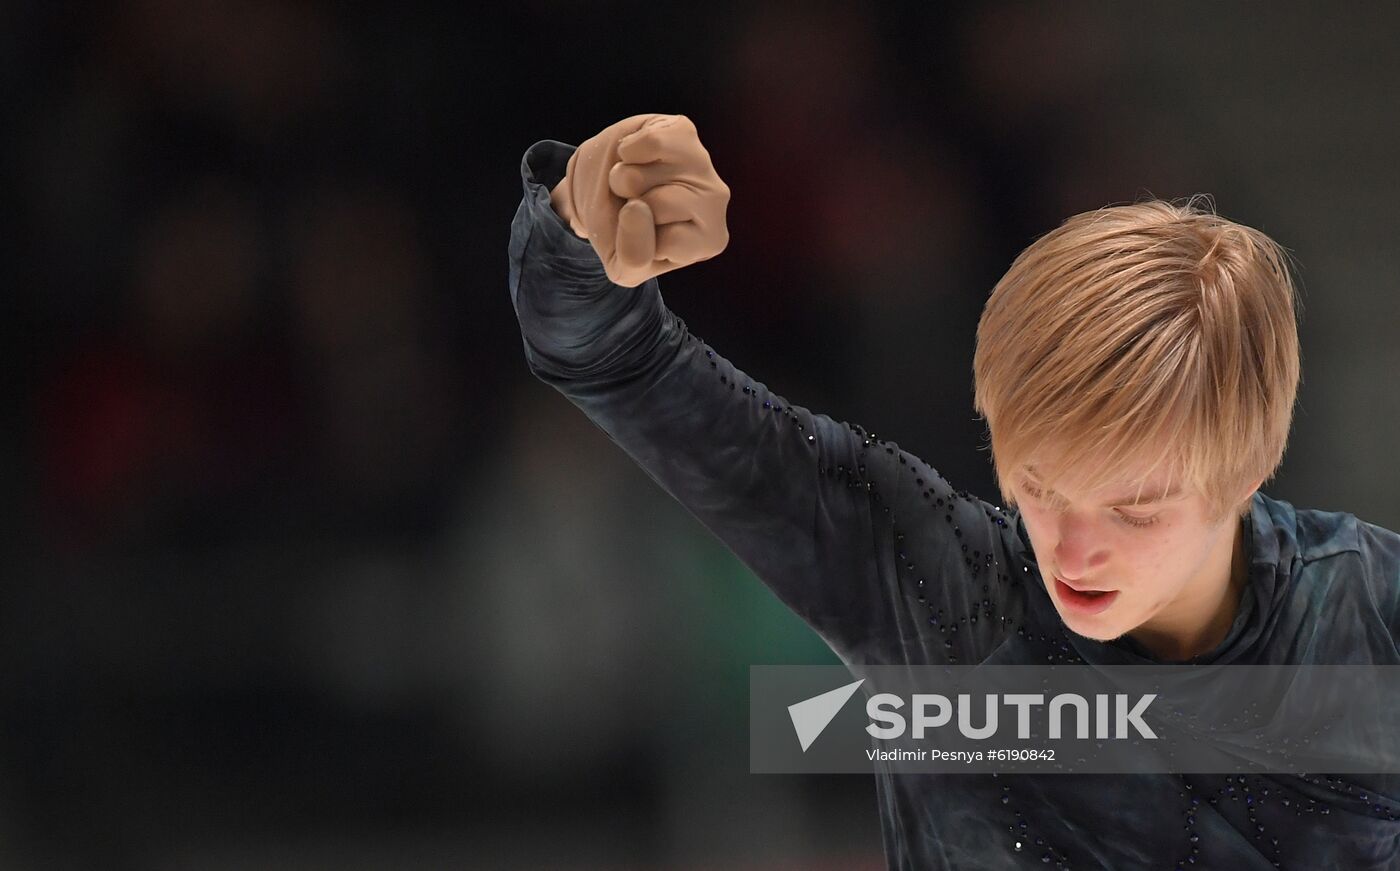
(1097, 634)
(1092, 629)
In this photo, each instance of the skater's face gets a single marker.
(1164, 565)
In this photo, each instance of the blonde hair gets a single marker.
(1152, 332)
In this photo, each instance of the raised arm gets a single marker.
(862, 540)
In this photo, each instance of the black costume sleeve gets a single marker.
(869, 545)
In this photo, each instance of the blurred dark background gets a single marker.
(302, 569)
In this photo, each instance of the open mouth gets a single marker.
(1084, 601)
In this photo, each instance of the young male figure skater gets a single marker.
(1137, 369)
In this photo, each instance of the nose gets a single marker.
(1078, 549)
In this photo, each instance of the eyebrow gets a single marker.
(1150, 497)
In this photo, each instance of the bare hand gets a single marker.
(647, 197)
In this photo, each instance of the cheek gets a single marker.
(1036, 528)
(1163, 559)
(1156, 547)
(1033, 513)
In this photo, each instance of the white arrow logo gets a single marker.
(813, 715)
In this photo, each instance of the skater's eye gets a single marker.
(1039, 495)
(1139, 522)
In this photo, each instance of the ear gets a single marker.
(1242, 503)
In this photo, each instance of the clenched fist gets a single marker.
(645, 194)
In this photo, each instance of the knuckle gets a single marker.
(623, 179)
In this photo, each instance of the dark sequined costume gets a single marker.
(890, 564)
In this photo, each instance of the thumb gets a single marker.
(562, 199)
(636, 242)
